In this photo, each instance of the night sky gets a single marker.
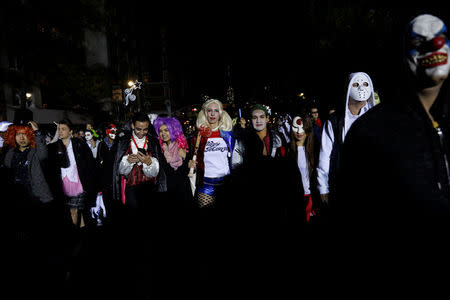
(311, 47)
(306, 46)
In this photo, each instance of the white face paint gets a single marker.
(88, 135)
(428, 47)
(112, 136)
(259, 119)
(297, 125)
(360, 89)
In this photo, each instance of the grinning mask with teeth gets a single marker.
(428, 47)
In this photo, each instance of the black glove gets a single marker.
(61, 155)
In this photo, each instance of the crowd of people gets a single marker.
(142, 208)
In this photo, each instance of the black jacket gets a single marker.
(394, 175)
(253, 146)
(121, 147)
(105, 163)
(85, 166)
(35, 157)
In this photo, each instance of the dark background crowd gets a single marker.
(313, 197)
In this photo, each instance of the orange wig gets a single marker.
(10, 135)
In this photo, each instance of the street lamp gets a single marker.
(129, 96)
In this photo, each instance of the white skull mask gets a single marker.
(360, 89)
(88, 135)
(428, 46)
(112, 135)
(297, 125)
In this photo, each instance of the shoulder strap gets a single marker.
(337, 122)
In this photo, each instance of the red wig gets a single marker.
(10, 135)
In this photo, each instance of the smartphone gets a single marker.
(142, 150)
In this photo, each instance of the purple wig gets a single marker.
(175, 130)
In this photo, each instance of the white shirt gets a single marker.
(125, 167)
(303, 167)
(326, 147)
(216, 158)
(93, 149)
(71, 172)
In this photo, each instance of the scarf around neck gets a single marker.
(171, 155)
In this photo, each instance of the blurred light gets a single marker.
(28, 95)
(130, 83)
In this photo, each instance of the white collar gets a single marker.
(138, 139)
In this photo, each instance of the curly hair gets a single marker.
(10, 135)
(175, 130)
(225, 122)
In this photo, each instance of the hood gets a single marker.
(370, 101)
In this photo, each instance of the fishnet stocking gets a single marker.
(205, 200)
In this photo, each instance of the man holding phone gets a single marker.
(136, 171)
(138, 182)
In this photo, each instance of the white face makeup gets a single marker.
(360, 89)
(428, 47)
(111, 132)
(88, 135)
(297, 125)
(259, 119)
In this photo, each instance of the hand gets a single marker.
(324, 198)
(94, 212)
(100, 206)
(242, 122)
(99, 209)
(33, 125)
(144, 158)
(192, 164)
(133, 158)
(182, 153)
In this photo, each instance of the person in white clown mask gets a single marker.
(359, 99)
(91, 141)
(394, 187)
(105, 163)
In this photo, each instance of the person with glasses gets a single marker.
(315, 114)
(317, 122)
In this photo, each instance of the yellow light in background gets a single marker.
(130, 83)
(28, 95)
